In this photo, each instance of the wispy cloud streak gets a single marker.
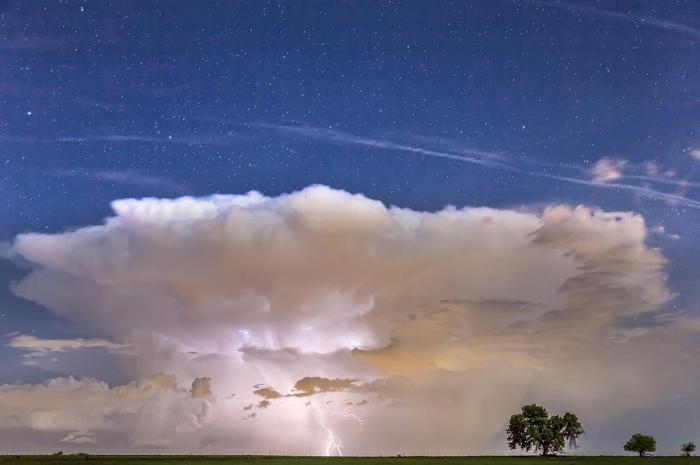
(131, 177)
(646, 192)
(39, 347)
(479, 157)
(647, 21)
(190, 140)
(491, 160)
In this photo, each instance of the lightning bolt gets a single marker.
(334, 445)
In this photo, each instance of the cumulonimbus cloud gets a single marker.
(321, 295)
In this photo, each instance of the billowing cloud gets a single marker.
(201, 388)
(608, 169)
(84, 407)
(337, 301)
(695, 154)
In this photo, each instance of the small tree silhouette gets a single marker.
(688, 448)
(534, 429)
(641, 444)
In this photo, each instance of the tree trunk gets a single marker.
(641, 453)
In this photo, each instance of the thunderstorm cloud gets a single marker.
(430, 327)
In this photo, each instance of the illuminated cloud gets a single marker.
(311, 385)
(84, 407)
(201, 388)
(608, 169)
(334, 300)
(267, 393)
(39, 347)
(79, 438)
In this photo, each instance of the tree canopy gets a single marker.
(533, 429)
(641, 443)
(688, 448)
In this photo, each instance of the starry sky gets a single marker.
(355, 180)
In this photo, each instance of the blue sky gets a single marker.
(512, 105)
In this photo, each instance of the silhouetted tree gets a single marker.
(534, 429)
(641, 443)
(688, 448)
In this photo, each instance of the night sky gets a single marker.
(518, 106)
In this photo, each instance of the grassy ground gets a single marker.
(266, 460)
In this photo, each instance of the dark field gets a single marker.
(266, 460)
